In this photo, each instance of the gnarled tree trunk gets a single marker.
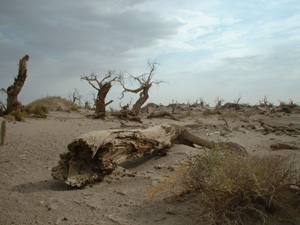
(100, 103)
(145, 82)
(96, 154)
(103, 87)
(12, 91)
(143, 98)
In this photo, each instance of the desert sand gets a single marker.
(29, 194)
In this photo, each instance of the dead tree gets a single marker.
(13, 91)
(103, 87)
(126, 114)
(145, 82)
(96, 154)
(75, 96)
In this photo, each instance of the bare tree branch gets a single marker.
(3, 90)
(145, 82)
(90, 79)
(107, 103)
(103, 87)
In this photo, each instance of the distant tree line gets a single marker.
(102, 84)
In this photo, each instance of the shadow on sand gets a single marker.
(42, 186)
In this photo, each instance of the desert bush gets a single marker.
(38, 110)
(18, 115)
(74, 107)
(59, 108)
(41, 111)
(28, 109)
(54, 103)
(229, 186)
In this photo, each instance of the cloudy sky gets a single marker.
(205, 48)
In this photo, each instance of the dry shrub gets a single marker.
(230, 187)
(18, 115)
(38, 110)
(74, 107)
(59, 108)
(54, 103)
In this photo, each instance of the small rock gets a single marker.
(158, 167)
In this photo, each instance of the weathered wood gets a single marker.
(280, 146)
(162, 114)
(12, 91)
(96, 154)
(284, 129)
(211, 144)
(3, 133)
(103, 87)
(145, 83)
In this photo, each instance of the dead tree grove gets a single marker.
(103, 87)
(145, 82)
(13, 91)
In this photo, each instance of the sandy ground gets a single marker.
(29, 194)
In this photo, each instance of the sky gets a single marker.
(205, 48)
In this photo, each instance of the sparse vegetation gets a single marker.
(74, 107)
(18, 115)
(53, 103)
(59, 108)
(38, 110)
(229, 187)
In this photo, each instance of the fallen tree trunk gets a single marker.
(285, 129)
(280, 146)
(96, 154)
(162, 114)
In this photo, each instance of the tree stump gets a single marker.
(3, 133)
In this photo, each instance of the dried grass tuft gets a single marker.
(229, 186)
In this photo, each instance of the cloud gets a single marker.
(71, 26)
(205, 46)
(68, 39)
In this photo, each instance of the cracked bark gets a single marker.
(96, 154)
